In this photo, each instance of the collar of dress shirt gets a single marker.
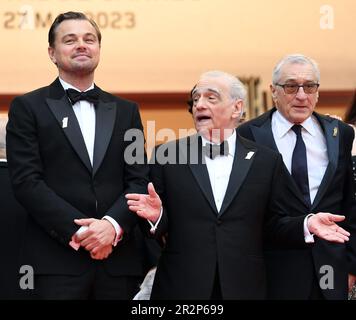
(67, 85)
(284, 125)
(230, 140)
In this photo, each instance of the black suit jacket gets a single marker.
(202, 241)
(12, 221)
(53, 179)
(292, 272)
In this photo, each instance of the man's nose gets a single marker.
(80, 43)
(300, 93)
(199, 103)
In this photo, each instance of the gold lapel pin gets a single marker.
(335, 132)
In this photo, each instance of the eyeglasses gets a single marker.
(293, 88)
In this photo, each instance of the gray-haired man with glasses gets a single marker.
(316, 150)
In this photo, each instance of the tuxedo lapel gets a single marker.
(63, 112)
(104, 126)
(331, 132)
(262, 131)
(199, 169)
(243, 159)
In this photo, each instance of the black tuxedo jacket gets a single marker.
(291, 272)
(202, 241)
(53, 178)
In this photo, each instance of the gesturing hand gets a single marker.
(147, 206)
(323, 225)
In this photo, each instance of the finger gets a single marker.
(91, 247)
(75, 238)
(337, 237)
(333, 238)
(151, 190)
(96, 257)
(94, 251)
(87, 241)
(336, 217)
(345, 238)
(133, 202)
(99, 249)
(351, 281)
(340, 235)
(84, 222)
(343, 231)
(82, 236)
(133, 196)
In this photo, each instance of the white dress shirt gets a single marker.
(219, 170)
(85, 113)
(315, 143)
(317, 153)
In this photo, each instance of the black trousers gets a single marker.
(216, 292)
(94, 284)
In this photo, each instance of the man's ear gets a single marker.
(238, 108)
(273, 94)
(51, 55)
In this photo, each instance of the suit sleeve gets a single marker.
(349, 202)
(156, 177)
(282, 230)
(135, 176)
(26, 168)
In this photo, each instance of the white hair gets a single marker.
(237, 88)
(294, 59)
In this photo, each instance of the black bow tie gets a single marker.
(90, 95)
(213, 150)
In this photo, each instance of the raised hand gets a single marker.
(324, 226)
(352, 281)
(147, 206)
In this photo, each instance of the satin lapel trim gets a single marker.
(263, 134)
(292, 185)
(332, 143)
(62, 110)
(199, 169)
(239, 170)
(104, 126)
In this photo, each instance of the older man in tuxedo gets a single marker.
(65, 147)
(217, 195)
(316, 150)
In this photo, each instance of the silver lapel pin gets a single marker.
(65, 122)
(249, 155)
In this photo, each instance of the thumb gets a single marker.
(84, 222)
(151, 190)
(336, 217)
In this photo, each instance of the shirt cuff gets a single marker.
(154, 226)
(118, 230)
(308, 237)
